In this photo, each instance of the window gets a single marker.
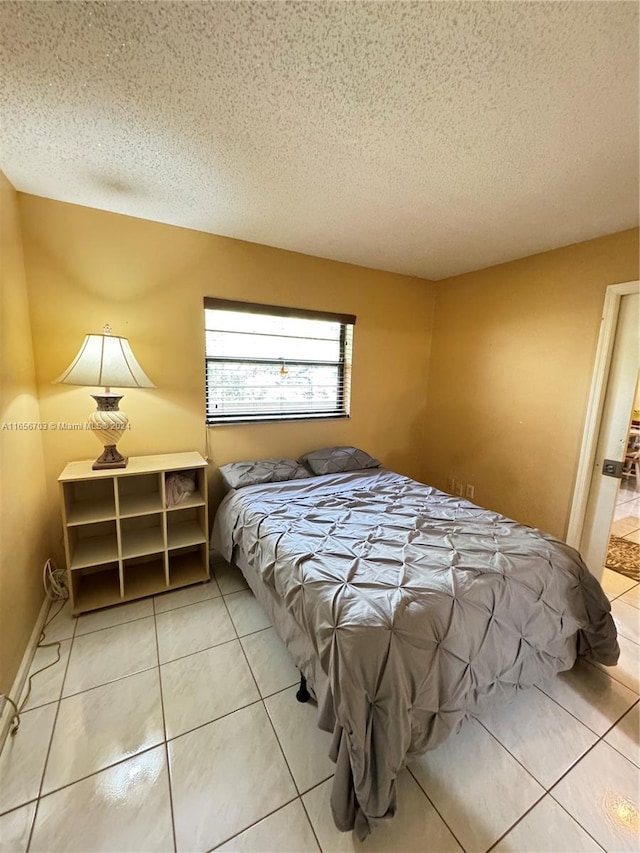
(265, 363)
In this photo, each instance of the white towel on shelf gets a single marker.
(178, 487)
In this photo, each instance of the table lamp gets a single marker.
(107, 360)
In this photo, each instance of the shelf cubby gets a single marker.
(195, 499)
(144, 577)
(95, 587)
(139, 495)
(90, 501)
(141, 535)
(121, 541)
(92, 544)
(187, 565)
(186, 527)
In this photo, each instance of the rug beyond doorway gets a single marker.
(624, 557)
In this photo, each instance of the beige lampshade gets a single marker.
(107, 361)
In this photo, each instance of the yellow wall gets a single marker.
(24, 537)
(511, 364)
(506, 355)
(86, 267)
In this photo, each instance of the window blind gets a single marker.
(265, 363)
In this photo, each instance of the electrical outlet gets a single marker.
(451, 485)
(470, 492)
(460, 490)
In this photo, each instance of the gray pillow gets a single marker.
(238, 474)
(335, 460)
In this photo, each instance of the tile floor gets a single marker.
(626, 520)
(171, 724)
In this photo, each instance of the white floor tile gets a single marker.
(204, 686)
(62, 626)
(415, 827)
(286, 831)
(46, 686)
(102, 726)
(305, 746)
(231, 783)
(625, 736)
(229, 578)
(246, 612)
(226, 776)
(591, 695)
(601, 793)
(627, 619)
(111, 616)
(187, 595)
(623, 525)
(125, 808)
(627, 508)
(614, 584)
(632, 597)
(106, 655)
(23, 757)
(633, 536)
(270, 662)
(193, 628)
(477, 786)
(15, 828)
(627, 670)
(628, 491)
(544, 737)
(547, 828)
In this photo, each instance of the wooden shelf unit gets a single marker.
(122, 541)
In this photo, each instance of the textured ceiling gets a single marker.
(425, 138)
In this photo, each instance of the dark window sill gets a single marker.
(274, 420)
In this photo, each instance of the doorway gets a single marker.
(606, 432)
(623, 554)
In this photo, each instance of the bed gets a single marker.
(407, 610)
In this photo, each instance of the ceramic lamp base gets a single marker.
(110, 458)
(108, 424)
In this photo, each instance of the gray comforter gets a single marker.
(408, 610)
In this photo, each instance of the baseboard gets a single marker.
(23, 672)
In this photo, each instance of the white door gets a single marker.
(612, 438)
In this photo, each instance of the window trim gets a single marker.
(277, 310)
(342, 364)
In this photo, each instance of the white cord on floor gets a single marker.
(54, 581)
(55, 588)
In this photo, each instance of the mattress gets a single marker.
(408, 610)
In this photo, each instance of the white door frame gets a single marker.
(614, 294)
